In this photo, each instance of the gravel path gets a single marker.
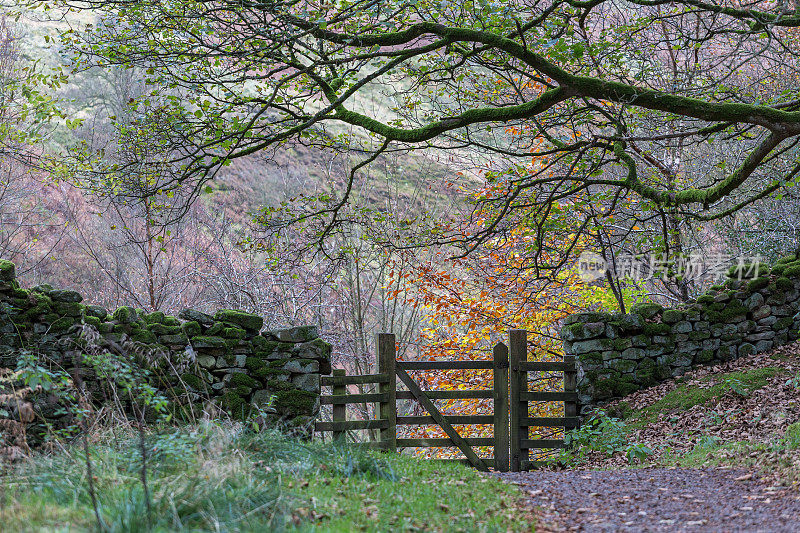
(659, 499)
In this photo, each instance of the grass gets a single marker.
(685, 396)
(223, 477)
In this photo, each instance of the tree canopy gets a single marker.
(682, 108)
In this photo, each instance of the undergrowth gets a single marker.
(225, 477)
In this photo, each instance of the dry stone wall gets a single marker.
(621, 353)
(195, 358)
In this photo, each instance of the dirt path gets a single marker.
(659, 499)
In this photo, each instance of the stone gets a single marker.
(7, 271)
(583, 317)
(763, 346)
(767, 321)
(201, 342)
(755, 301)
(247, 321)
(593, 345)
(298, 334)
(682, 327)
(206, 361)
(746, 349)
(647, 310)
(633, 353)
(196, 316)
(96, 311)
(672, 316)
(300, 366)
(762, 312)
(307, 382)
(240, 360)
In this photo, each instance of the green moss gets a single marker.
(7, 270)
(705, 299)
(704, 356)
(591, 357)
(171, 321)
(792, 271)
(193, 381)
(96, 311)
(124, 315)
(241, 379)
(254, 363)
(278, 384)
(161, 329)
(156, 317)
(144, 336)
(191, 328)
(758, 284)
(106, 327)
(783, 323)
(652, 328)
(647, 310)
(614, 387)
(671, 316)
(216, 329)
(233, 333)
(572, 331)
(268, 373)
(62, 324)
(729, 313)
(295, 402)
(247, 321)
(699, 335)
(235, 404)
(92, 321)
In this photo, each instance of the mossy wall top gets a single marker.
(224, 358)
(622, 353)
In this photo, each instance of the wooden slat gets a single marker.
(518, 381)
(387, 409)
(546, 421)
(330, 381)
(489, 461)
(440, 442)
(444, 365)
(351, 425)
(534, 444)
(544, 366)
(339, 410)
(339, 399)
(549, 396)
(429, 406)
(449, 395)
(453, 419)
(502, 444)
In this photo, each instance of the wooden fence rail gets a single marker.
(510, 397)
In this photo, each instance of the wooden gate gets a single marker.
(510, 400)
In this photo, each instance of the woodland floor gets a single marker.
(725, 457)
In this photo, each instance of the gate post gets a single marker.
(387, 410)
(518, 351)
(570, 385)
(339, 410)
(502, 444)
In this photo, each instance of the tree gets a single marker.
(585, 80)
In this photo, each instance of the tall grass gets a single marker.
(221, 476)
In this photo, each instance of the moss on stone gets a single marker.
(278, 384)
(784, 284)
(7, 270)
(96, 311)
(758, 284)
(92, 321)
(254, 363)
(268, 373)
(247, 321)
(208, 342)
(647, 309)
(161, 329)
(783, 323)
(215, 329)
(652, 328)
(125, 315)
(241, 379)
(156, 317)
(144, 336)
(295, 402)
(705, 299)
(62, 324)
(235, 404)
(171, 321)
(193, 381)
(233, 333)
(191, 328)
(792, 271)
(671, 316)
